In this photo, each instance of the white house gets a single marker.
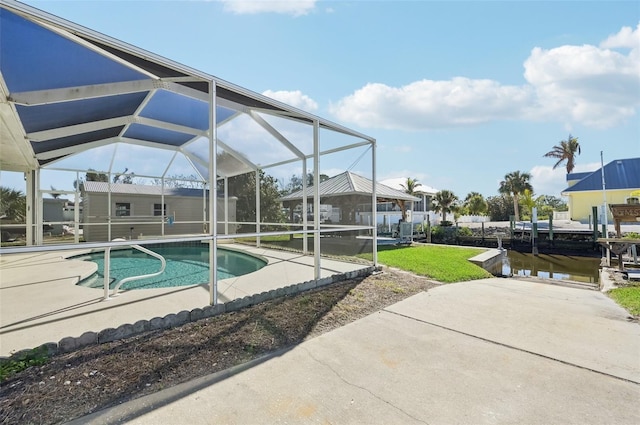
(420, 210)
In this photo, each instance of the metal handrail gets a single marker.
(132, 278)
(120, 242)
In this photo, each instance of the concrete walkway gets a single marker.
(495, 351)
(40, 301)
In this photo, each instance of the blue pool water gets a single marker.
(186, 265)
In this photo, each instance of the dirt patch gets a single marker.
(72, 385)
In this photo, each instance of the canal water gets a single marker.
(560, 267)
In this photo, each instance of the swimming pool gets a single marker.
(186, 265)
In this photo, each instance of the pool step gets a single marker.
(95, 281)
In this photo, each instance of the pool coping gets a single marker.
(40, 303)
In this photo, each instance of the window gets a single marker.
(159, 210)
(123, 209)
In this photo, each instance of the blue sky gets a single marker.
(456, 93)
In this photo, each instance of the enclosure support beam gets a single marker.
(38, 216)
(213, 197)
(76, 211)
(163, 213)
(226, 205)
(258, 207)
(316, 199)
(33, 192)
(374, 206)
(305, 208)
(113, 157)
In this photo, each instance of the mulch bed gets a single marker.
(72, 385)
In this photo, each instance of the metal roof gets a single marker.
(348, 183)
(618, 174)
(65, 89)
(577, 176)
(398, 184)
(138, 189)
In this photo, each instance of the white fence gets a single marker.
(473, 219)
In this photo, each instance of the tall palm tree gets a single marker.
(445, 202)
(566, 150)
(409, 187)
(515, 183)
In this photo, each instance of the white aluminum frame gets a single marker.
(78, 34)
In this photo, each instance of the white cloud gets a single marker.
(432, 104)
(626, 37)
(591, 85)
(293, 98)
(586, 84)
(547, 181)
(397, 182)
(286, 7)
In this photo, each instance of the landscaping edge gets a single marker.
(172, 320)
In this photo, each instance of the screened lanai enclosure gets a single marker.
(114, 145)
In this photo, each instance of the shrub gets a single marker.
(448, 234)
(35, 357)
(464, 231)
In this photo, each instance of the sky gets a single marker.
(457, 93)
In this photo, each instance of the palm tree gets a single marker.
(528, 201)
(410, 185)
(13, 204)
(567, 150)
(471, 195)
(445, 202)
(475, 203)
(410, 188)
(515, 183)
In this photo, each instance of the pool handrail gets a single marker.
(132, 278)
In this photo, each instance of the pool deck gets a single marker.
(40, 301)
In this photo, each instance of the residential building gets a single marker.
(420, 211)
(588, 190)
(134, 211)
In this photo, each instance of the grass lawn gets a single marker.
(441, 263)
(628, 297)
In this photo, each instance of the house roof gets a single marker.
(577, 176)
(348, 183)
(618, 174)
(69, 89)
(398, 183)
(138, 189)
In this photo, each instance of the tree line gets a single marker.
(515, 191)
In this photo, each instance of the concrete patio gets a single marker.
(40, 301)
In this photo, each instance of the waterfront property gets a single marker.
(585, 190)
(349, 195)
